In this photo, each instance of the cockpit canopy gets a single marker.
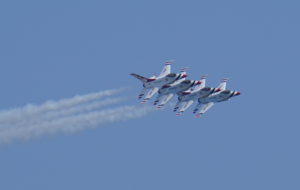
(226, 92)
(186, 82)
(206, 89)
(171, 75)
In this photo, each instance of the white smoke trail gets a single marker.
(30, 119)
(29, 110)
(73, 123)
(66, 115)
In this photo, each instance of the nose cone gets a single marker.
(237, 93)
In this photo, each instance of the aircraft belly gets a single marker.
(205, 100)
(180, 88)
(184, 98)
(204, 94)
(172, 89)
(220, 97)
(148, 85)
(177, 90)
(158, 82)
(164, 91)
(223, 98)
(192, 96)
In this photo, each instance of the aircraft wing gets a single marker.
(150, 94)
(166, 70)
(204, 109)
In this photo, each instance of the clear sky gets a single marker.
(57, 49)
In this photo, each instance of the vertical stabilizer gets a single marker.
(223, 84)
(167, 69)
(202, 85)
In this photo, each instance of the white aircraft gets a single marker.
(204, 104)
(167, 92)
(153, 84)
(187, 98)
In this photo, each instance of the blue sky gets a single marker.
(57, 49)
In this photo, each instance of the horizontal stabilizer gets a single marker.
(141, 78)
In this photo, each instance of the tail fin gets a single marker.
(183, 72)
(222, 85)
(167, 68)
(203, 81)
(202, 85)
(141, 78)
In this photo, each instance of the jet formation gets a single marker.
(168, 84)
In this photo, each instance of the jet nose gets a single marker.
(237, 93)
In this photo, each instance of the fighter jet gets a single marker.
(187, 98)
(204, 104)
(167, 92)
(153, 84)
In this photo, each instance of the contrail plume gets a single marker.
(66, 116)
(36, 117)
(73, 123)
(55, 105)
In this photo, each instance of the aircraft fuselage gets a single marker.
(218, 97)
(182, 86)
(159, 82)
(206, 91)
